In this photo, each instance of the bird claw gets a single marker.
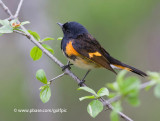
(81, 83)
(66, 66)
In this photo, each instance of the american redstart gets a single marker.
(84, 51)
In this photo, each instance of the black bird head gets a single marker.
(72, 29)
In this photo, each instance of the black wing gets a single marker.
(90, 48)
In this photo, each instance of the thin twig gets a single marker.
(56, 77)
(19, 32)
(18, 9)
(114, 99)
(67, 71)
(146, 84)
(6, 8)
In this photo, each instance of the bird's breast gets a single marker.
(77, 59)
(84, 63)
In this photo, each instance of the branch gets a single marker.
(18, 9)
(5, 8)
(146, 84)
(67, 71)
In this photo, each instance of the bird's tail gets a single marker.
(117, 64)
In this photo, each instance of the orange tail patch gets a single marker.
(122, 67)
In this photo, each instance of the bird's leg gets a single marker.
(82, 81)
(67, 66)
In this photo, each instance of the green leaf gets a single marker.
(87, 97)
(157, 91)
(59, 38)
(130, 85)
(113, 86)
(120, 77)
(154, 76)
(94, 108)
(114, 116)
(88, 90)
(117, 106)
(42, 87)
(111, 95)
(45, 94)
(4, 22)
(48, 48)
(134, 101)
(41, 76)
(103, 92)
(5, 28)
(130, 90)
(47, 39)
(151, 85)
(36, 53)
(25, 22)
(35, 35)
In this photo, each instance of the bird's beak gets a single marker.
(61, 25)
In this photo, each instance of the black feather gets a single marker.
(117, 62)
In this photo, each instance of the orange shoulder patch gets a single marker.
(94, 54)
(70, 50)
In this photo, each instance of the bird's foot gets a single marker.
(66, 66)
(80, 84)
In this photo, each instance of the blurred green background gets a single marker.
(128, 29)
